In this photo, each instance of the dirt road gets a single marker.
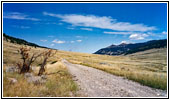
(97, 83)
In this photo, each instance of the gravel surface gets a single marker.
(96, 83)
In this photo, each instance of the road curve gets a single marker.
(97, 83)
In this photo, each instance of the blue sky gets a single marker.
(85, 27)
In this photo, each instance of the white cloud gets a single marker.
(52, 45)
(71, 28)
(43, 40)
(58, 41)
(88, 29)
(78, 36)
(50, 14)
(138, 36)
(118, 33)
(104, 22)
(50, 23)
(60, 23)
(124, 42)
(164, 32)
(71, 41)
(151, 34)
(79, 40)
(22, 27)
(18, 16)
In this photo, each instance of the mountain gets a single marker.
(124, 49)
(19, 41)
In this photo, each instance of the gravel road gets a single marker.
(96, 83)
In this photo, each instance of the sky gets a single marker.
(85, 27)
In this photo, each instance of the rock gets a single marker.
(33, 68)
(36, 80)
(43, 76)
(162, 93)
(12, 80)
(11, 69)
(27, 75)
(71, 94)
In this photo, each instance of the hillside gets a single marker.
(124, 49)
(59, 84)
(19, 41)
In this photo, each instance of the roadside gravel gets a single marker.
(96, 83)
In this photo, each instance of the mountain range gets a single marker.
(124, 49)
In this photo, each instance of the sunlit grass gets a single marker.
(59, 84)
(148, 69)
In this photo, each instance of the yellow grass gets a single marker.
(59, 84)
(146, 68)
(143, 69)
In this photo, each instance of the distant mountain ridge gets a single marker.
(124, 49)
(19, 41)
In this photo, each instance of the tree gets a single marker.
(27, 59)
(46, 55)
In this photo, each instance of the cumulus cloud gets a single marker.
(88, 29)
(118, 33)
(78, 36)
(124, 42)
(79, 40)
(164, 32)
(58, 41)
(71, 28)
(51, 23)
(43, 40)
(22, 27)
(151, 34)
(104, 22)
(52, 45)
(18, 16)
(72, 41)
(138, 36)
(60, 23)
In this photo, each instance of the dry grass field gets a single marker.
(59, 82)
(57, 85)
(148, 68)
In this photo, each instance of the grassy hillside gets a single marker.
(148, 68)
(19, 41)
(59, 84)
(153, 54)
(125, 49)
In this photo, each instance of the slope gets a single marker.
(124, 49)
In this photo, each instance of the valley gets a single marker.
(148, 68)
